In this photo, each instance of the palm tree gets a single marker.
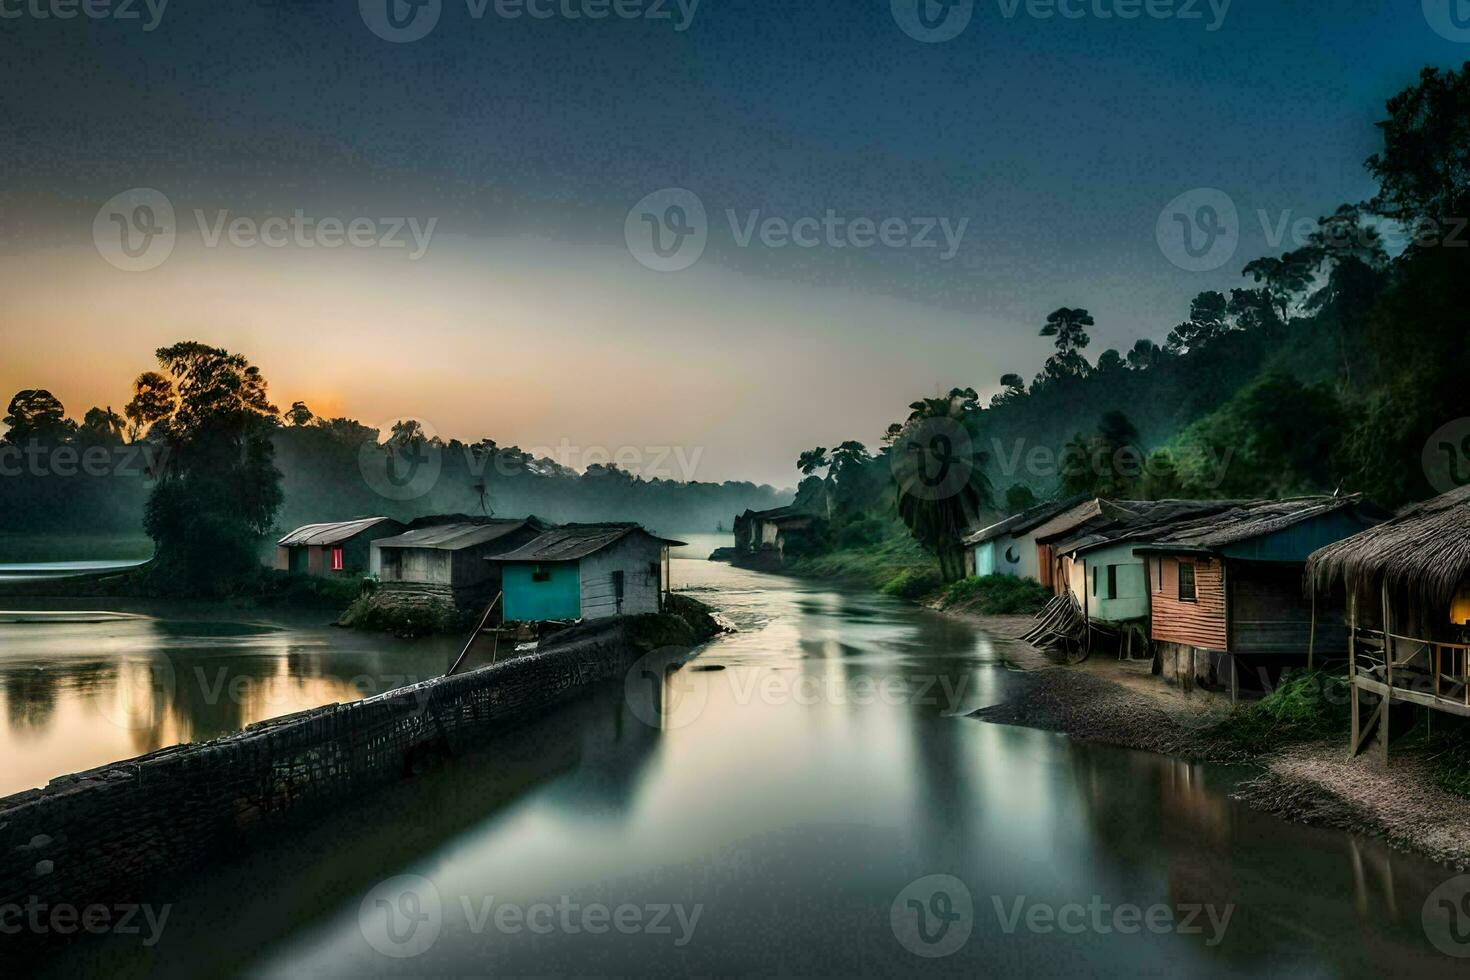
(939, 476)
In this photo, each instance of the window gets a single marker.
(1112, 582)
(1094, 581)
(618, 584)
(540, 574)
(1159, 564)
(1186, 582)
(338, 561)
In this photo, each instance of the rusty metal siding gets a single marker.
(1201, 623)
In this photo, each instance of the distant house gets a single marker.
(585, 571)
(342, 548)
(762, 537)
(1007, 547)
(1231, 585)
(1406, 585)
(449, 559)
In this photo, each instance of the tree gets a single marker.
(153, 401)
(298, 415)
(217, 498)
(1015, 390)
(1069, 327)
(1110, 360)
(1285, 279)
(102, 427)
(1019, 497)
(1108, 464)
(36, 415)
(1421, 170)
(1145, 354)
(812, 460)
(1209, 318)
(941, 487)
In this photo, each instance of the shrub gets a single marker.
(997, 595)
(911, 584)
(1306, 705)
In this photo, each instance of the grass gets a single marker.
(997, 595)
(24, 549)
(1307, 705)
(873, 565)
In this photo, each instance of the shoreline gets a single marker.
(1122, 704)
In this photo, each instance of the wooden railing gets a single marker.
(1429, 669)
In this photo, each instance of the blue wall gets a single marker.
(559, 597)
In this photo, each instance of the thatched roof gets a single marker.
(1247, 521)
(1424, 551)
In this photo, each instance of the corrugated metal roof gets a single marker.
(324, 534)
(453, 537)
(1018, 524)
(575, 541)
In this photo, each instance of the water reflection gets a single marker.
(794, 809)
(81, 690)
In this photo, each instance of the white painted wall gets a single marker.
(636, 556)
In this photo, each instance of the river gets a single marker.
(783, 804)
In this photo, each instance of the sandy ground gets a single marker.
(1122, 703)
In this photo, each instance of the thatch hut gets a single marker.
(1407, 588)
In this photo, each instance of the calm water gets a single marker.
(80, 688)
(798, 784)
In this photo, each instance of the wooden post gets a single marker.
(1353, 660)
(1384, 722)
(1312, 637)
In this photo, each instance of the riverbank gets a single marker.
(1310, 782)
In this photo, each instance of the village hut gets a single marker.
(763, 537)
(447, 560)
(1008, 547)
(1227, 591)
(1406, 584)
(585, 572)
(340, 548)
(1095, 561)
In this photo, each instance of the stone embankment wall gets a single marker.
(95, 836)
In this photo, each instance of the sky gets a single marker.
(449, 214)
